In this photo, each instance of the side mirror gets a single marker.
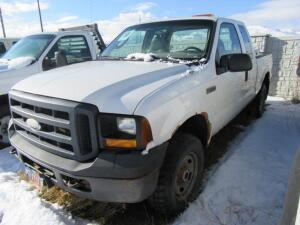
(236, 62)
(60, 59)
(20, 62)
(46, 63)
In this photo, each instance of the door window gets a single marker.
(228, 43)
(67, 50)
(246, 39)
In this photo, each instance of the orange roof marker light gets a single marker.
(208, 14)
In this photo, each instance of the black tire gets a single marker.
(169, 198)
(4, 112)
(260, 100)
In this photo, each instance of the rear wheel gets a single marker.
(260, 100)
(4, 120)
(180, 176)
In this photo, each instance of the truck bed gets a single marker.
(264, 64)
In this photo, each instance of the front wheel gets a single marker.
(4, 121)
(180, 176)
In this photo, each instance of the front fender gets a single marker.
(168, 108)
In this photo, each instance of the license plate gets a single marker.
(34, 178)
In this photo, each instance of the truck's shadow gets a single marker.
(141, 213)
(2, 146)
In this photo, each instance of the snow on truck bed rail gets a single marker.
(247, 187)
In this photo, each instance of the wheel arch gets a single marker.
(197, 125)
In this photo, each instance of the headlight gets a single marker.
(124, 132)
(126, 125)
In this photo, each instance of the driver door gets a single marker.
(229, 83)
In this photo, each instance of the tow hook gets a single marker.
(13, 151)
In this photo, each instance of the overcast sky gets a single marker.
(21, 16)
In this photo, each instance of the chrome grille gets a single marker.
(58, 121)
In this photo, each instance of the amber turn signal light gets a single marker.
(120, 143)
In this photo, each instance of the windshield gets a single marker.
(32, 46)
(186, 39)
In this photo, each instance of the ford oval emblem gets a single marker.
(33, 124)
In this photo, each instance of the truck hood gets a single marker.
(113, 86)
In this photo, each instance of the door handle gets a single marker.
(211, 89)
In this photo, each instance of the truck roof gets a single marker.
(196, 17)
(60, 32)
(89, 28)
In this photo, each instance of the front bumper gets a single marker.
(113, 176)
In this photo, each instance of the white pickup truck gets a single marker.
(135, 125)
(6, 43)
(36, 53)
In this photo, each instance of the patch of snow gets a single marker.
(19, 204)
(20, 62)
(182, 61)
(193, 69)
(249, 185)
(149, 146)
(146, 57)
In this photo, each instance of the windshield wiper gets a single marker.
(111, 58)
(154, 57)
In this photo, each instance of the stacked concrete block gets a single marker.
(286, 65)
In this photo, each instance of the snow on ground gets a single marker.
(19, 204)
(249, 185)
(246, 187)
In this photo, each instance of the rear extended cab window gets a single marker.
(246, 39)
(67, 50)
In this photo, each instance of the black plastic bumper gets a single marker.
(114, 176)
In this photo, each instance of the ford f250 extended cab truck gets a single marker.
(135, 125)
(41, 52)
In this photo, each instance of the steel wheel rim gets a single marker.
(186, 175)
